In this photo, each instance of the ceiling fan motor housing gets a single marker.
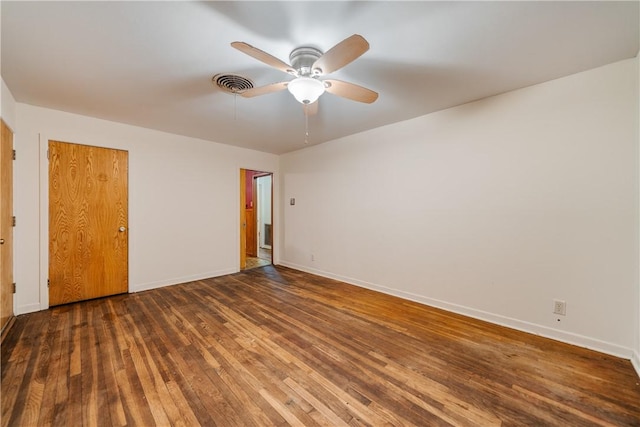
(302, 59)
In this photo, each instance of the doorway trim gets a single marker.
(43, 168)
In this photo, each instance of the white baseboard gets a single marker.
(177, 280)
(31, 308)
(635, 361)
(566, 337)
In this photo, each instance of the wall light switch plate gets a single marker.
(292, 201)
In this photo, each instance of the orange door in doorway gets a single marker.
(252, 238)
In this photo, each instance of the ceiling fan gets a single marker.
(308, 65)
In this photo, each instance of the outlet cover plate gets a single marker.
(559, 307)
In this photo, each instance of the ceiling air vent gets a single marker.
(232, 83)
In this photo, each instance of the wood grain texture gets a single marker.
(275, 346)
(88, 203)
(6, 225)
(243, 219)
(252, 241)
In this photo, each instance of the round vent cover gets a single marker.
(232, 83)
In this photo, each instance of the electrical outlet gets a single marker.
(559, 307)
(313, 257)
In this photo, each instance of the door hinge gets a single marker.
(13, 221)
(14, 154)
(14, 288)
(48, 282)
(47, 154)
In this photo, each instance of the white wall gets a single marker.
(183, 200)
(636, 354)
(492, 209)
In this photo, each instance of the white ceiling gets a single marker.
(150, 63)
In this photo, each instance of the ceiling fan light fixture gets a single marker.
(306, 90)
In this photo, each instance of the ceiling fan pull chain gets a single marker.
(306, 124)
(235, 106)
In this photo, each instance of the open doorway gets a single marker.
(256, 212)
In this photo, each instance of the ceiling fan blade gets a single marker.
(310, 109)
(264, 57)
(341, 54)
(263, 90)
(350, 91)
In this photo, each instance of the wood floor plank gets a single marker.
(91, 376)
(110, 361)
(275, 346)
(31, 393)
(403, 404)
(61, 413)
(166, 350)
(17, 351)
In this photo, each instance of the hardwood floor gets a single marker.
(274, 346)
(263, 258)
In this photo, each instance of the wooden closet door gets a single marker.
(88, 220)
(6, 225)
